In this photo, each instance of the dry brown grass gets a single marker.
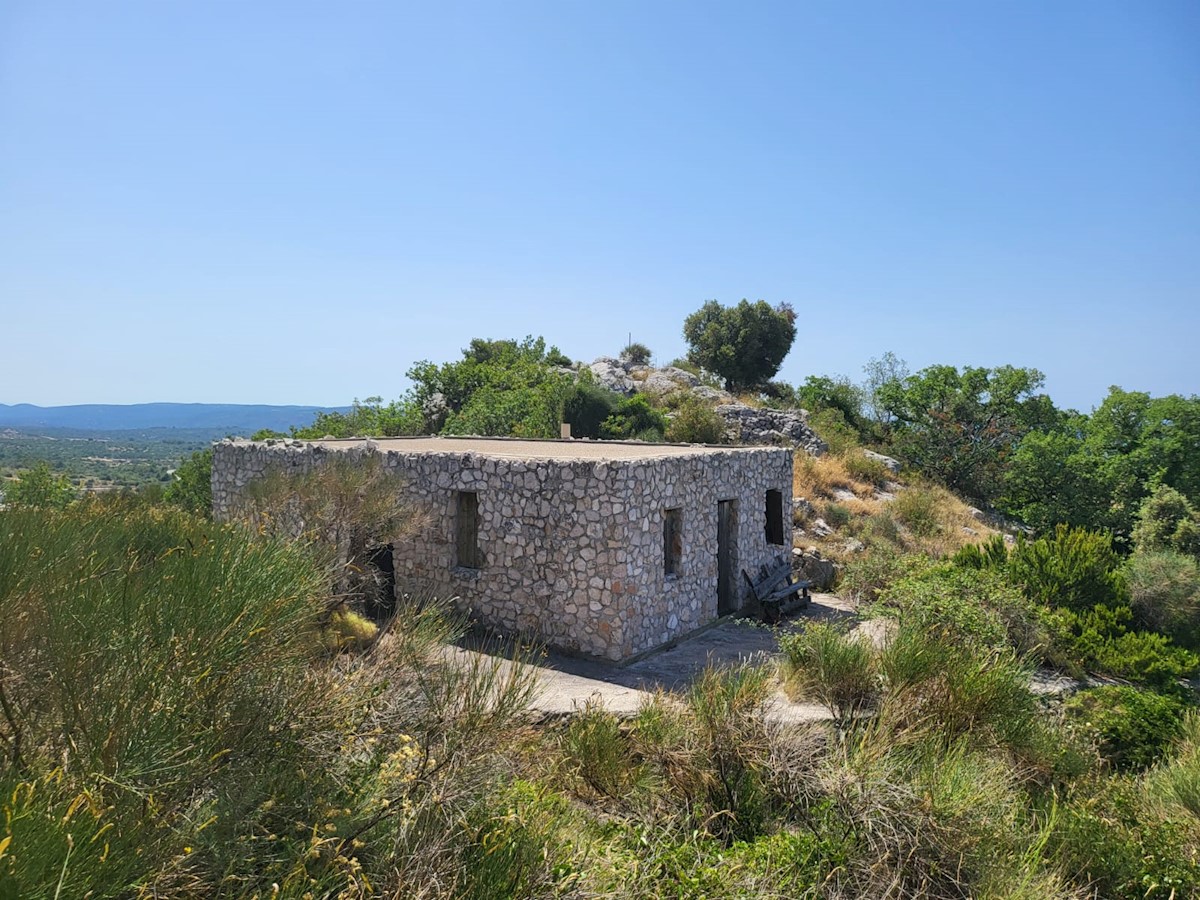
(929, 518)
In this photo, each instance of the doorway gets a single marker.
(727, 564)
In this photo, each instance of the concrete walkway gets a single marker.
(566, 684)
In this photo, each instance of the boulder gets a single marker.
(893, 465)
(711, 394)
(770, 426)
(811, 566)
(612, 375)
(659, 383)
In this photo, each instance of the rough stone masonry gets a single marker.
(603, 548)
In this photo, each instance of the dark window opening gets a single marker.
(466, 527)
(381, 601)
(774, 517)
(672, 541)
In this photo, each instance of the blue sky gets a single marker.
(290, 203)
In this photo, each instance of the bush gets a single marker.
(1164, 594)
(968, 607)
(636, 354)
(1167, 520)
(191, 488)
(1074, 568)
(38, 488)
(834, 668)
(1099, 640)
(587, 406)
(867, 576)
(831, 427)
(837, 515)
(1132, 728)
(866, 468)
(744, 344)
(695, 422)
(634, 418)
(917, 508)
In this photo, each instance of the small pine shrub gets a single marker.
(1073, 568)
(695, 422)
(991, 554)
(636, 354)
(1132, 728)
(1099, 640)
(1164, 594)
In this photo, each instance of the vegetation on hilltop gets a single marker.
(191, 710)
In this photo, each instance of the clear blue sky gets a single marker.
(291, 202)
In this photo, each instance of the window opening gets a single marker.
(672, 541)
(774, 517)
(466, 525)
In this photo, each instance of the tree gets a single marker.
(192, 487)
(960, 427)
(636, 354)
(887, 369)
(39, 487)
(744, 344)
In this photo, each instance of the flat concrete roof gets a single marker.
(505, 448)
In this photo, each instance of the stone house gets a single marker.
(603, 548)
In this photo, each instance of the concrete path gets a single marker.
(566, 684)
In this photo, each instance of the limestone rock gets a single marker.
(812, 567)
(611, 374)
(711, 394)
(770, 426)
(893, 465)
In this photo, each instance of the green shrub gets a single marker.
(866, 468)
(587, 406)
(831, 427)
(1110, 843)
(1167, 520)
(966, 606)
(1164, 594)
(866, 576)
(636, 354)
(1099, 640)
(991, 554)
(917, 509)
(38, 488)
(881, 528)
(837, 515)
(600, 752)
(1073, 568)
(834, 668)
(191, 488)
(1132, 728)
(634, 418)
(695, 422)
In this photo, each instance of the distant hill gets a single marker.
(232, 418)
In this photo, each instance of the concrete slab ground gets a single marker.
(566, 684)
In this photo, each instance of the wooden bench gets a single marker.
(774, 586)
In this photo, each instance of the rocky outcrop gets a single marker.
(610, 373)
(893, 465)
(770, 426)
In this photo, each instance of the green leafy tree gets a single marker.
(1096, 470)
(499, 387)
(192, 487)
(744, 344)
(39, 487)
(886, 370)
(369, 417)
(961, 427)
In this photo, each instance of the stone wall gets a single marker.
(572, 549)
